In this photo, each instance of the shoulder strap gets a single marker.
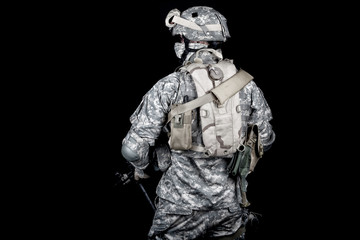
(220, 94)
(233, 85)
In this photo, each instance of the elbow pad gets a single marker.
(128, 154)
(135, 150)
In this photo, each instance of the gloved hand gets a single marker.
(140, 174)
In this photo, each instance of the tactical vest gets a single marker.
(217, 87)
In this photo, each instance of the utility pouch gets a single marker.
(180, 138)
(253, 140)
(245, 160)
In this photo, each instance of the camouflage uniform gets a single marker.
(197, 198)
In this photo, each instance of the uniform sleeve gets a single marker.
(261, 116)
(150, 117)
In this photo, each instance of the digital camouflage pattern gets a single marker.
(196, 194)
(190, 181)
(202, 16)
(218, 223)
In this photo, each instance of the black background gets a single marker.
(110, 55)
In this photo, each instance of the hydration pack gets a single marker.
(217, 87)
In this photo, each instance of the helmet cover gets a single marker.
(198, 23)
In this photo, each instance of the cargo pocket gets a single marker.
(166, 217)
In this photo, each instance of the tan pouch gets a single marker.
(180, 138)
(254, 141)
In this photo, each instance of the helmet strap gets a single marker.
(187, 50)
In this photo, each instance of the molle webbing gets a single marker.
(219, 94)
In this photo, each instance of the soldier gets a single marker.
(213, 142)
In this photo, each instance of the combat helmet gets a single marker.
(199, 23)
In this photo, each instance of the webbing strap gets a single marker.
(192, 25)
(228, 88)
(221, 93)
(191, 105)
(197, 148)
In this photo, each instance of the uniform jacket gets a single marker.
(190, 180)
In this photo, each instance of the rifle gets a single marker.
(128, 177)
